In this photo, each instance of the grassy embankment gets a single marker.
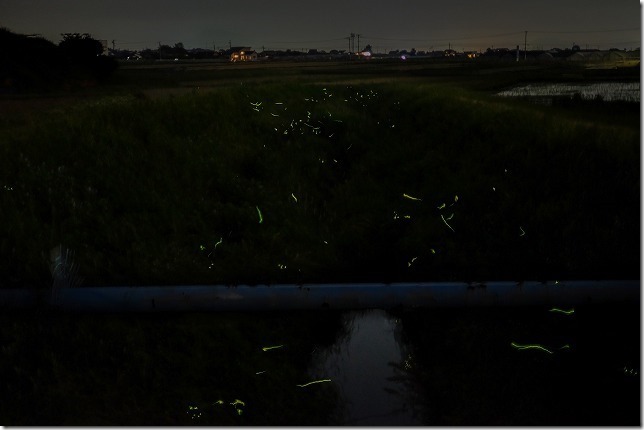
(299, 182)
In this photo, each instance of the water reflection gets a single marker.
(369, 366)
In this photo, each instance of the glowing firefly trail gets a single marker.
(517, 346)
(314, 382)
(268, 348)
(570, 312)
(407, 196)
(450, 227)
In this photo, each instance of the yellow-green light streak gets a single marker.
(450, 227)
(521, 347)
(268, 348)
(261, 218)
(570, 312)
(407, 196)
(313, 382)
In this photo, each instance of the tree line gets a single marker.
(33, 63)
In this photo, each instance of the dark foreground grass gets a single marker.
(459, 368)
(182, 369)
(463, 370)
(304, 183)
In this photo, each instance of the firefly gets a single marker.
(517, 346)
(450, 227)
(570, 312)
(407, 196)
(314, 382)
(268, 348)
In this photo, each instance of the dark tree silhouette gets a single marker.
(80, 47)
(84, 54)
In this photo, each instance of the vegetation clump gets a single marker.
(30, 63)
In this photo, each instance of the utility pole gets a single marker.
(230, 46)
(358, 42)
(525, 46)
(160, 57)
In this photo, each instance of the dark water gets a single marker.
(365, 366)
(494, 366)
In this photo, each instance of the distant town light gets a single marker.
(403, 57)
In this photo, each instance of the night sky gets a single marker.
(297, 24)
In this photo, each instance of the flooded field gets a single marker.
(606, 91)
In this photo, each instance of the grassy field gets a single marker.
(219, 173)
(289, 180)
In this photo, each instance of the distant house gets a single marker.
(242, 53)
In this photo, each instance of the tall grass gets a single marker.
(170, 190)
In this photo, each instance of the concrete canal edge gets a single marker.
(322, 296)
